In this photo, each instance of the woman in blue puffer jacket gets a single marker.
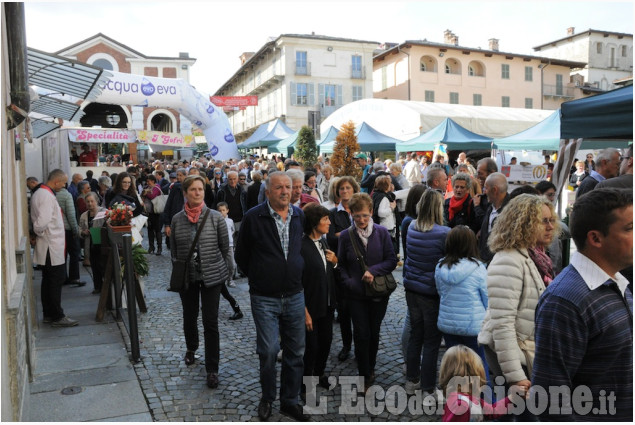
(461, 281)
(425, 245)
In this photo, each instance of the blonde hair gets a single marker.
(519, 223)
(429, 211)
(460, 361)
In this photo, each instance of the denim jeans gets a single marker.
(280, 318)
(424, 312)
(209, 298)
(367, 316)
(405, 335)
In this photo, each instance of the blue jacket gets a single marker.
(379, 255)
(259, 253)
(463, 291)
(425, 249)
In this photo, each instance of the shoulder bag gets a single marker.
(179, 280)
(158, 203)
(381, 286)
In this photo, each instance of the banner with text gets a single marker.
(102, 135)
(176, 140)
(178, 94)
(234, 101)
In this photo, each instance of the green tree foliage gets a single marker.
(344, 150)
(306, 148)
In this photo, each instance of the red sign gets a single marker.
(234, 108)
(234, 100)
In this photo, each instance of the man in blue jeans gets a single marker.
(268, 251)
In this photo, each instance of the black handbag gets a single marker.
(180, 277)
(381, 286)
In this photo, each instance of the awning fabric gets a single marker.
(42, 127)
(369, 139)
(606, 115)
(58, 108)
(284, 145)
(449, 133)
(267, 134)
(546, 136)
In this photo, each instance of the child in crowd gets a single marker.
(461, 377)
(223, 208)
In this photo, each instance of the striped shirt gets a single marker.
(283, 227)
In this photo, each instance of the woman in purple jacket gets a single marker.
(367, 312)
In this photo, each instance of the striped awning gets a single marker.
(58, 108)
(42, 128)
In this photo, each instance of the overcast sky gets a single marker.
(216, 33)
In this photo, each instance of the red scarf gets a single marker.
(543, 263)
(193, 213)
(456, 205)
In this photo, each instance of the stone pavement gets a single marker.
(175, 392)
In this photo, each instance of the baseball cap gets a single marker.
(361, 155)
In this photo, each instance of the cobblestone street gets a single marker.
(175, 392)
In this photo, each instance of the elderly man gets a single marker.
(72, 187)
(584, 320)
(268, 250)
(298, 198)
(437, 179)
(362, 160)
(71, 228)
(607, 165)
(236, 198)
(484, 168)
(497, 197)
(625, 179)
(48, 227)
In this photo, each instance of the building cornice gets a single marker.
(586, 33)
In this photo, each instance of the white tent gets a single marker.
(405, 120)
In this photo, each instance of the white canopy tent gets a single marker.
(405, 120)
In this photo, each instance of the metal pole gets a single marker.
(131, 298)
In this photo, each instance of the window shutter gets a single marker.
(294, 94)
(339, 95)
(321, 94)
(311, 94)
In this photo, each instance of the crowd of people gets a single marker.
(483, 269)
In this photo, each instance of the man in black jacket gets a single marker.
(496, 191)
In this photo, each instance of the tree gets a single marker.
(342, 160)
(306, 149)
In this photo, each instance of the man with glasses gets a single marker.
(625, 179)
(607, 166)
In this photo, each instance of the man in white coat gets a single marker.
(48, 227)
(412, 171)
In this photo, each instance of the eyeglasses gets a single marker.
(217, 173)
(622, 158)
(126, 182)
(361, 216)
(547, 221)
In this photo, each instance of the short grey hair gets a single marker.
(295, 175)
(462, 176)
(498, 180)
(433, 174)
(105, 180)
(606, 154)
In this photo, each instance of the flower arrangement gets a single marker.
(119, 215)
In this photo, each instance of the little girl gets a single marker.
(461, 377)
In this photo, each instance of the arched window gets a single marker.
(104, 60)
(476, 69)
(103, 63)
(427, 64)
(452, 66)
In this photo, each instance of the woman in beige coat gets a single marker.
(516, 278)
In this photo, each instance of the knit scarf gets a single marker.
(364, 234)
(543, 264)
(193, 213)
(456, 205)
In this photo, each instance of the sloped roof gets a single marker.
(544, 135)
(120, 45)
(369, 139)
(267, 134)
(449, 133)
(585, 33)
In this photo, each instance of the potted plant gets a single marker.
(119, 217)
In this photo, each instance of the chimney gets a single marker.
(454, 40)
(493, 44)
(184, 55)
(447, 37)
(570, 30)
(245, 57)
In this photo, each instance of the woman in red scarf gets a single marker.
(459, 209)
(208, 270)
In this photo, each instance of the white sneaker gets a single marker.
(429, 399)
(231, 284)
(411, 387)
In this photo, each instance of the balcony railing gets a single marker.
(558, 91)
(302, 68)
(358, 74)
